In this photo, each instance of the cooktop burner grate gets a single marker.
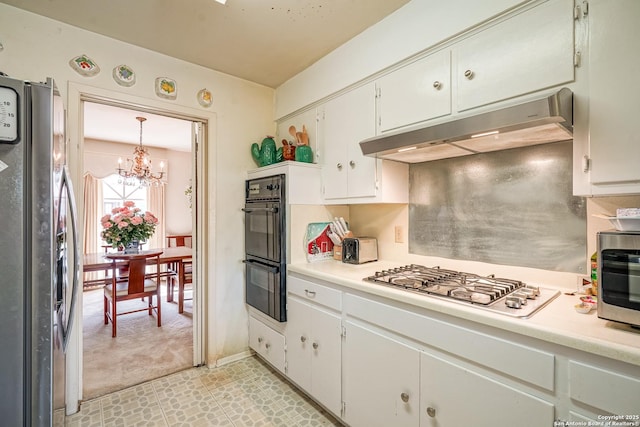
(507, 296)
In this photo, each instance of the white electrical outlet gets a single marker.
(399, 235)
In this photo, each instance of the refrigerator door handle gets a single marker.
(66, 183)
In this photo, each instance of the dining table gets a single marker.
(174, 258)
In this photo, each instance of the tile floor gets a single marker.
(244, 393)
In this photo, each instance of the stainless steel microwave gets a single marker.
(619, 276)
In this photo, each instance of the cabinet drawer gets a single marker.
(520, 361)
(319, 294)
(267, 343)
(604, 389)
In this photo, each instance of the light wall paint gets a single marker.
(100, 159)
(408, 31)
(36, 47)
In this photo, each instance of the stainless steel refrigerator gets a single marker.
(38, 252)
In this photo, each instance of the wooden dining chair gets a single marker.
(179, 240)
(138, 284)
(175, 240)
(183, 277)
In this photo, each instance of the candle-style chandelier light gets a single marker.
(138, 170)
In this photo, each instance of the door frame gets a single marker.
(203, 147)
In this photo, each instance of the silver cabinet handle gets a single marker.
(259, 339)
(352, 164)
(303, 338)
(339, 166)
(267, 346)
(468, 74)
(431, 412)
(404, 397)
(437, 85)
(310, 294)
(315, 345)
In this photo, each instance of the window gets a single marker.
(115, 193)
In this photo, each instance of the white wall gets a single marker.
(411, 29)
(100, 158)
(242, 113)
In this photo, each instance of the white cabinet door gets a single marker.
(614, 66)
(326, 356)
(314, 353)
(267, 343)
(347, 120)
(452, 395)
(420, 91)
(381, 380)
(298, 339)
(529, 52)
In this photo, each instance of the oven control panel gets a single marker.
(267, 188)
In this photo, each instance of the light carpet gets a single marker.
(141, 352)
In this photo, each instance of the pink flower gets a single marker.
(123, 224)
(106, 224)
(129, 204)
(149, 217)
(136, 220)
(105, 218)
(115, 210)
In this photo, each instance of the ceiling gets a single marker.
(115, 124)
(266, 42)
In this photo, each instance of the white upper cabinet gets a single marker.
(346, 121)
(614, 66)
(349, 176)
(528, 52)
(420, 91)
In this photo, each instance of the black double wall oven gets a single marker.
(265, 245)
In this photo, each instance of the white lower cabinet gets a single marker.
(454, 395)
(606, 390)
(374, 362)
(313, 338)
(268, 343)
(314, 341)
(381, 380)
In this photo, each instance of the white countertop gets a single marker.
(557, 323)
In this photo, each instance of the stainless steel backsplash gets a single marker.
(512, 207)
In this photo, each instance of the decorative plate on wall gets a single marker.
(205, 98)
(166, 88)
(124, 75)
(84, 66)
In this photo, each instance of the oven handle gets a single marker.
(262, 266)
(249, 210)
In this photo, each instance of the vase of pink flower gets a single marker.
(127, 226)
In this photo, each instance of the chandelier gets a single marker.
(138, 171)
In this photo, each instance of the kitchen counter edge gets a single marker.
(556, 323)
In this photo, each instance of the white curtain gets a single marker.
(92, 214)
(156, 207)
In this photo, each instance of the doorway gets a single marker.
(141, 351)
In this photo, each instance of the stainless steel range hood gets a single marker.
(547, 119)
